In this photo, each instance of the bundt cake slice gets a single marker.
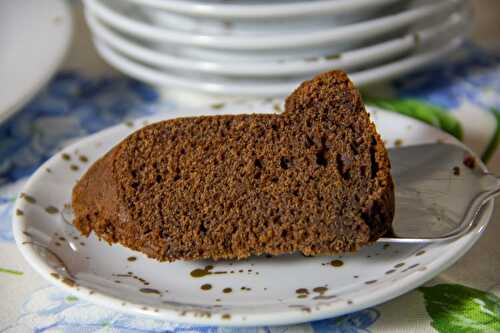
(314, 179)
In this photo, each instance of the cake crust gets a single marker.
(315, 179)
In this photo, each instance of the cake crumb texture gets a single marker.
(315, 179)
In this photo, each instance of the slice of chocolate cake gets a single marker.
(315, 179)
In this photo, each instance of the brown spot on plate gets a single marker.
(336, 263)
(390, 271)
(419, 253)
(28, 198)
(401, 264)
(74, 167)
(370, 282)
(19, 212)
(150, 291)
(320, 290)
(217, 106)
(410, 267)
(227, 290)
(206, 286)
(69, 282)
(51, 210)
(469, 162)
(302, 291)
(301, 307)
(55, 275)
(83, 158)
(226, 316)
(456, 171)
(398, 143)
(65, 157)
(201, 272)
(130, 258)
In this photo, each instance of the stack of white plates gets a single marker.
(266, 47)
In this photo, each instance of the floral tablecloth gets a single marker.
(460, 96)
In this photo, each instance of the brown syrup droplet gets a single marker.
(83, 158)
(419, 253)
(150, 291)
(28, 198)
(336, 263)
(19, 212)
(227, 290)
(65, 157)
(201, 272)
(132, 258)
(302, 291)
(69, 282)
(51, 210)
(320, 290)
(206, 286)
(226, 316)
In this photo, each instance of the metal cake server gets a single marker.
(440, 189)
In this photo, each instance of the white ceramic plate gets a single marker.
(117, 15)
(260, 291)
(265, 88)
(451, 27)
(264, 9)
(34, 38)
(260, 26)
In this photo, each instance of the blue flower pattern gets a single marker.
(473, 78)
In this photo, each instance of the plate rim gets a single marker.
(363, 55)
(359, 30)
(375, 297)
(197, 8)
(361, 78)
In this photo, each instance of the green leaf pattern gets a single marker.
(456, 308)
(425, 112)
(492, 146)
